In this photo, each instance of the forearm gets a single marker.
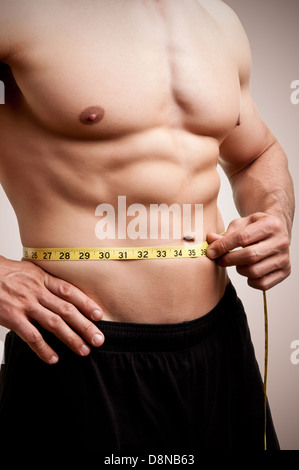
(264, 196)
(266, 186)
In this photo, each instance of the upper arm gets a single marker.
(12, 19)
(248, 141)
(4, 30)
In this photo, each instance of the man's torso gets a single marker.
(166, 83)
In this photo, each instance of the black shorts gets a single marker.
(191, 386)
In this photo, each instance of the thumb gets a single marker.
(212, 237)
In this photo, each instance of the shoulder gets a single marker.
(223, 14)
(235, 35)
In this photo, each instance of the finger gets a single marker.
(269, 281)
(74, 296)
(211, 237)
(34, 339)
(249, 255)
(74, 319)
(56, 325)
(265, 267)
(243, 237)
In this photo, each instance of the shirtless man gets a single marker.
(142, 99)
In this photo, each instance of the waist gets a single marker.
(150, 288)
(146, 291)
(124, 336)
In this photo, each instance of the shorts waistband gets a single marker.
(123, 336)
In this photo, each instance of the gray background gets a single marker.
(271, 26)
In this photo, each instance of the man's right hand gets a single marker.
(28, 294)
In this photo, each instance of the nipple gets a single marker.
(91, 115)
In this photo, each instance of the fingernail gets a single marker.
(96, 315)
(211, 253)
(53, 360)
(97, 340)
(85, 350)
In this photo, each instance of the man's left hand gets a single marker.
(264, 255)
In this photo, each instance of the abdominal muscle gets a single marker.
(147, 290)
(56, 193)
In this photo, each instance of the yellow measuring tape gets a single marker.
(265, 368)
(129, 253)
(115, 253)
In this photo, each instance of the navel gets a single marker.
(189, 238)
(91, 115)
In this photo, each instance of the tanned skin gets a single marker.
(142, 99)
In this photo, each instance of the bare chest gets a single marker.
(122, 67)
